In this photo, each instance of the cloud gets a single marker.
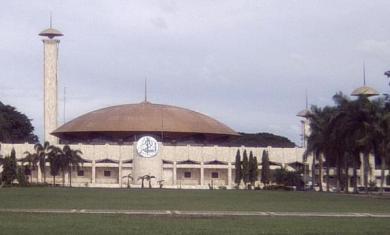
(375, 47)
(159, 22)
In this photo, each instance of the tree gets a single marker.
(15, 127)
(245, 168)
(43, 152)
(252, 169)
(54, 158)
(21, 176)
(265, 169)
(71, 159)
(238, 175)
(129, 176)
(147, 178)
(9, 168)
(31, 159)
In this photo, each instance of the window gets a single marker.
(214, 175)
(80, 173)
(187, 174)
(107, 173)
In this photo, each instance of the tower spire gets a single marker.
(51, 20)
(364, 73)
(307, 99)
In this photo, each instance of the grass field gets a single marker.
(87, 198)
(121, 224)
(84, 198)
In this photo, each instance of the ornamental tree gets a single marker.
(238, 172)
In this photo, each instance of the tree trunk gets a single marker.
(142, 183)
(338, 168)
(44, 174)
(365, 166)
(313, 172)
(383, 166)
(346, 180)
(320, 171)
(54, 180)
(70, 176)
(327, 176)
(150, 183)
(63, 178)
(355, 173)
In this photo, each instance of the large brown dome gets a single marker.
(144, 117)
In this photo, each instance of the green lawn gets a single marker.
(121, 224)
(87, 198)
(84, 198)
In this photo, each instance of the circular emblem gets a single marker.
(147, 146)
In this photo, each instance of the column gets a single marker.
(174, 173)
(201, 173)
(229, 174)
(66, 175)
(120, 174)
(50, 88)
(93, 171)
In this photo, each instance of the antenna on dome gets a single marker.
(146, 90)
(51, 19)
(307, 99)
(64, 104)
(364, 73)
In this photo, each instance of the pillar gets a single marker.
(93, 171)
(50, 88)
(39, 175)
(174, 173)
(230, 174)
(120, 173)
(202, 173)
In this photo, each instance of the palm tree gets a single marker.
(319, 140)
(380, 132)
(129, 176)
(142, 178)
(71, 159)
(43, 154)
(149, 179)
(31, 159)
(55, 163)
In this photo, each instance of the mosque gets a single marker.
(179, 147)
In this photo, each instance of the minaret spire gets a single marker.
(51, 20)
(307, 99)
(364, 73)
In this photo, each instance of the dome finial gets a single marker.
(50, 32)
(51, 19)
(364, 73)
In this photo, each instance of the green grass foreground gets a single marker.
(121, 224)
(221, 200)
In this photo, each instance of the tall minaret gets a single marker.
(50, 47)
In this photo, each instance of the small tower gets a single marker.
(364, 91)
(305, 123)
(50, 74)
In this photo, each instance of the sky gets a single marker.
(244, 63)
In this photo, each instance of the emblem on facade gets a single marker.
(147, 146)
